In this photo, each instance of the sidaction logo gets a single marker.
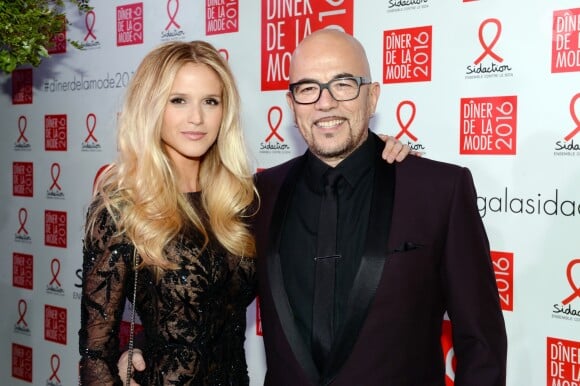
(491, 69)
(565, 310)
(560, 311)
(408, 4)
(274, 142)
(552, 204)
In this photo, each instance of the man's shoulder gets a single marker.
(277, 170)
(430, 172)
(430, 179)
(426, 165)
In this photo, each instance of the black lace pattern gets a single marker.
(194, 317)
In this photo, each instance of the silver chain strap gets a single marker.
(132, 329)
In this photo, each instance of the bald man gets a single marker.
(410, 247)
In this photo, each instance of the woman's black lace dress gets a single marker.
(194, 318)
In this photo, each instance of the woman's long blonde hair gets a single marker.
(140, 189)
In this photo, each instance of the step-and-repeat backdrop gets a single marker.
(493, 85)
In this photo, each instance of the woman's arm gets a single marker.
(105, 270)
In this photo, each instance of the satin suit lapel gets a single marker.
(276, 280)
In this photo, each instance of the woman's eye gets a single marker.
(177, 100)
(212, 101)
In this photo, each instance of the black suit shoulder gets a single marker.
(277, 169)
(421, 164)
(419, 167)
(428, 180)
(273, 177)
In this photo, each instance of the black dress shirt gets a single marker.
(298, 244)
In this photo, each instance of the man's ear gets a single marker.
(374, 93)
(290, 101)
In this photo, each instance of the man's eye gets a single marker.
(344, 85)
(307, 89)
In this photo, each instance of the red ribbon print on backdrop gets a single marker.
(172, 15)
(575, 117)
(22, 123)
(54, 366)
(575, 288)
(55, 174)
(22, 308)
(274, 126)
(55, 270)
(90, 18)
(405, 125)
(22, 217)
(487, 49)
(91, 124)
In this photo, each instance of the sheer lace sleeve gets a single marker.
(244, 281)
(106, 271)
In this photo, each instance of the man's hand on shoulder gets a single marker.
(395, 150)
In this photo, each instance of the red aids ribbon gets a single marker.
(54, 366)
(574, 118)
(22, 216)
(488, 48)
(55, 270)
(22, 123)
(172, 15)
(405, 126)
(54, 174)
(90, 24)
(274, 126)
(91, 124)
(22, 307)
(575, 289)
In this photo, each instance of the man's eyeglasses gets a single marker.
(341, 89)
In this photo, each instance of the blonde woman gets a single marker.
(175, 203)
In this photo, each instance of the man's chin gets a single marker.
(331, 152)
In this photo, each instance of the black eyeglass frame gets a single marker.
(360, 81)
